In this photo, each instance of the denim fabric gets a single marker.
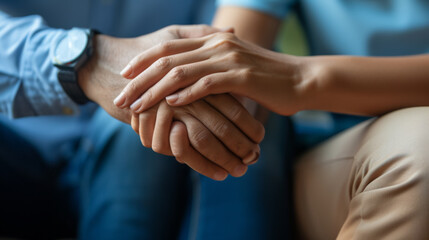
(255, 206)
(32, 204)
(128, 191)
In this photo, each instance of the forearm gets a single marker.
(252, 26)
(249, 25)
(364, 85)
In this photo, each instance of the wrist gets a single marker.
(99, 67)
(314, 81)
(100, 80)
(87, 72)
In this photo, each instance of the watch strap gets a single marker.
(70, 86)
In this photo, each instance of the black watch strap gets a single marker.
(70, 86)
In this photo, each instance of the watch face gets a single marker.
(70, 47)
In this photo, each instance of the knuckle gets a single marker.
(190, 108)
(235, 113)
(201, 139)
(246, 73)
(178, 153)
(226, 36)
(165, 47)
(226, 44)
(226, 41)
(222, 129)
(163, 63)
(156, 148)
(145, 143)
(159, 147)
(234, 57)
(171, 27)
(132, 87)
(172, 30)
(178, 74)
(207, 83)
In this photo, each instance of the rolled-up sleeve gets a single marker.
(28, 80)
(277, 8)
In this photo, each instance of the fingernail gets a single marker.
(172, 98)
(119, 100)
(252, 158)
(126, 72)
(220, 176)
(240, 170)
(136, 105)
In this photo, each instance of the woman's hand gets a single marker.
(186, 70)
(223, 136)
(100, 79)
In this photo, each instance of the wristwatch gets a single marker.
(69, 53)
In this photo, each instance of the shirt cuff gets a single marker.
(40, 93)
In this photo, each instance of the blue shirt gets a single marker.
(28, 82)
(353, 27)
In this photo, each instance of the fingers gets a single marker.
(211, 84)
(146, 58)
(160, 139)
(184, 153)
(179, 77)
(135, 122)
(232, 109)
(146, 126)
(227, 133)
(193, 31)
(210, 147)
(154, 73)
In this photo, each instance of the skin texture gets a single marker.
(221, 63)
(210, 143)
(178, 143)
(101, 82)
(100, 79)
(216, 64)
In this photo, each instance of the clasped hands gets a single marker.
(180, 95)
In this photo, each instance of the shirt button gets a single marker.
(67, 111)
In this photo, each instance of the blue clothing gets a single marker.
(139, 194)
(353, 27)
(28, 84)
(255, 206)
(125, 190)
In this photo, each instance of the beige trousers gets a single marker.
(370, 182)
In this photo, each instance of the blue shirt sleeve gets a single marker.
(276, 8)
(28, 80)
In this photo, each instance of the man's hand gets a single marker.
(219, 127)
(100, 79)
